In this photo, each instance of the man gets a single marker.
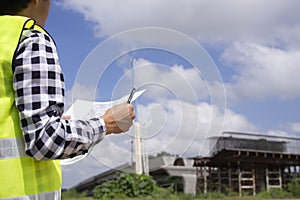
(33, 136)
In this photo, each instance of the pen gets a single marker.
(131, 95)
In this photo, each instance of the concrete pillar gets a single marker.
(205, 174)
(190, 181)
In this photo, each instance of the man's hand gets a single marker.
(119, 118)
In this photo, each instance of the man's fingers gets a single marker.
(66, 117)
(131, 111)
(132, 116)
(119, 118)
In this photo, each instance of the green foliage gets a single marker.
(176, 182)
(294, 187)
(275, 193)
(212, 195)
(129, 185)
(230, 193)
(72, 194)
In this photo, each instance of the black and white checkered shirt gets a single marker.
(39, 86)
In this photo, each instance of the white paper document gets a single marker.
(85, 110)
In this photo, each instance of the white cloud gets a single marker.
(237, 122)
(79, 91)
(279, 133)
(295, 127)
(209, 21)
(174, 81)
(267, 70)
(262, 72)
(292, 128)
(103, 157)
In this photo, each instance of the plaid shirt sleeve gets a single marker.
(39, 87)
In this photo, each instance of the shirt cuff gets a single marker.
(103, 125)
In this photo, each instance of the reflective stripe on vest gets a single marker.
(21, 176)
(45, 196)
(12, 148)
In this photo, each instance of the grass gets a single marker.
(185, 198)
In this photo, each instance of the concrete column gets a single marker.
(205, 179)
(190, 181)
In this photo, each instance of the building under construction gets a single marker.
(238, 162)
(248, 163)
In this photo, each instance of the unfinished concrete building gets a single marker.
(248, 163)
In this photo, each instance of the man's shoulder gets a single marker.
(35, 35)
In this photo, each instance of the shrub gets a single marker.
(294, 187)
(129, 185)
(275, 193)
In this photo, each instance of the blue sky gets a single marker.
(254, 44)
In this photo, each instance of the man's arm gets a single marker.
(40, 90)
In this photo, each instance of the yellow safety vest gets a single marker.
(21, 176)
